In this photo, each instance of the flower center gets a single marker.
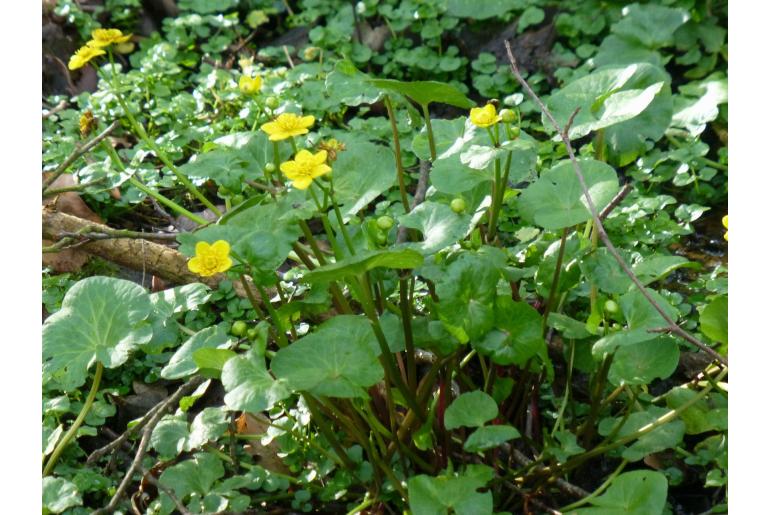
(288, 124)
(210, 262)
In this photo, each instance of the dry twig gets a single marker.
(598, 226)
(145, 442)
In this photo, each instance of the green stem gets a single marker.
(391, 373)
(329, 434)
(499, 195)
(555, 281)
(70, 434)
(406, 320)
(139, 129)
(280, 333)
(149, 191)
(340, 221)
(397, 147)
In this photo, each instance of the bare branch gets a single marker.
(599, 227)
(145, 442)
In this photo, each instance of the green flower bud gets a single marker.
(508, 116)
(458, 205)
(272, 102)
(611, 306)
(385, 223)
(270, 168)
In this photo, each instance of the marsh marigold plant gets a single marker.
(305, 167)
(210, 259)
(484, 116)
(288, 125)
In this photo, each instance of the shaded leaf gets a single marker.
(472, 409)
(249, 385)
(489, 437)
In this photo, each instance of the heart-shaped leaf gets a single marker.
(471, 409)
(426, 91)
(338, 360)
(249, 385)
(451, 493)
(641, 492)
(101, 319)
(489, 437)
(182, 363)
(556, 199)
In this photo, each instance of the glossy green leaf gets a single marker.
(426, 91)
(59, 494)
(346, 85)
(666, 436)
(489, 437)
(713, 320)
(362, 172)
(471, 409)
(517, 336)
(208, 425)
(603, 271)
(632, 103)
(438, 224)
(651, 25)
(249, 385)
(170, 436)
(640, 314)
(455, 492)
(182, 363)
(101, 319)
(642, 362)
(707, 414)
(211, 361)
(466, 294)
(180, 299)
(337, 360)
(556, 200)
(364, 261)
(195, 475)
(450, 136)
(640, 492)
(449, 175)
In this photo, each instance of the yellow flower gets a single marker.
(287, 125)
(210, 259)
(83, 55)
(305, 168)
(249, 85)
(484, 116)
(724, 222)
(106, 37)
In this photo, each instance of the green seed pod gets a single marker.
(239, 328)
(270, 168)
(223, 192)
(252, 334)
(381, 238)
(237, 199)
(385, 223)
(515, 132)
(458, 205)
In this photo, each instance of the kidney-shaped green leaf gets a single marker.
(364, 261)
(249, 385)
(556, 200)
(471, 409)
(182, 363)
(713, 319)
(641, 492)
(337, 360)
(489, 437)
(101, 319)
(456, 492)
(426, 91)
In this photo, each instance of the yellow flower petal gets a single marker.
(225, 265)
(221, 248)
(307, 121)
(320, 158)
(194, 265)
(484, 116)
(302, 183)
(83, 55)
(201, 248)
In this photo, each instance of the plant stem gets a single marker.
(555, 281)
(397, 147)
(151, 192)
(340, 221)
(139, 129)
(70, 434)
(599, 490)
(280, 333)
(406, 320)
(312, 405)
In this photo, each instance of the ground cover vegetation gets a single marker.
(401, 256)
